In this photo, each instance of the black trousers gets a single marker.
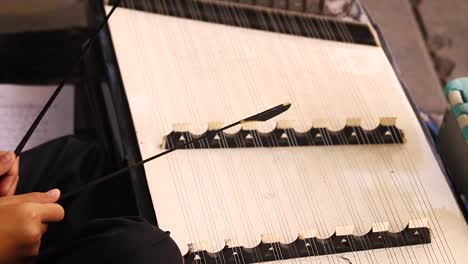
(82, 237)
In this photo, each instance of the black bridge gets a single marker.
(310, 247)
(350, 135)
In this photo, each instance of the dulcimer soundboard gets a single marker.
(348, 171)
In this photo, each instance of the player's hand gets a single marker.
(9, 173)
(23, 221)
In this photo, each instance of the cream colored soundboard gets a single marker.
(179, 71)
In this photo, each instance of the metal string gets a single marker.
(385, 156)
(353, 84)
(202, 199)
(426, 206)
(297, 164)
(348, 38)
(326, 141)
(398, 173)
(192, 229)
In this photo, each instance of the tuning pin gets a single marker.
(387, 134)
(284, 136)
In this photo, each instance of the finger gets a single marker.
(6, 183)
(51, 196)
(44, 228)
(13, 187)
(28, 252)
(51, 212)
(15, 169)
(34, 252)
(10, 180)
(7, 160)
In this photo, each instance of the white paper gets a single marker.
(20, 105)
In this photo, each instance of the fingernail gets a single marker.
(6, 158)
(53, 192)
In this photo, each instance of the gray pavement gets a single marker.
(401, 30)
(446, 22)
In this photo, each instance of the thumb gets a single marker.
(51, 196)
(7, 160)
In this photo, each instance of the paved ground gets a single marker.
(447, 31)
(401, 30)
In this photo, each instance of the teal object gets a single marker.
(460, 109)
(461, 85)
(465, 133)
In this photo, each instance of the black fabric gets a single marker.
(83, 237)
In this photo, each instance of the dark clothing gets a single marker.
(83, 237)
